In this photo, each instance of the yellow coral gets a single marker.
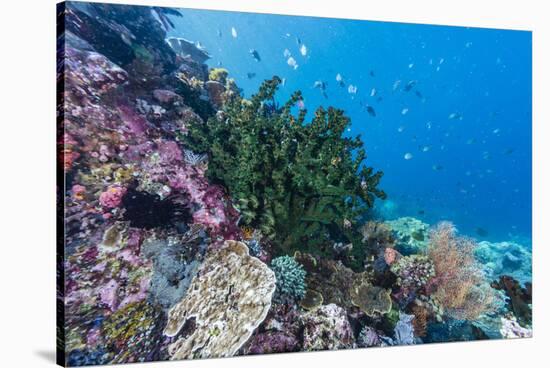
(218, 75)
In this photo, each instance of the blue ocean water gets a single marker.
(452, 130)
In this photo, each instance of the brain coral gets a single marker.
(228, 298)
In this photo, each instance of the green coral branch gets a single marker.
(295, 181)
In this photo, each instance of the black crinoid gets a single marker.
(148, 211)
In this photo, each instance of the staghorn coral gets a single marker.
(327, 328)
(460, 287)
(227, 299)
(290, 277)
(280, 170)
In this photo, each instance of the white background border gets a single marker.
(27, 179)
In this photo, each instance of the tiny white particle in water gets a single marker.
(233, 32)
(404, 111)
(303, 50)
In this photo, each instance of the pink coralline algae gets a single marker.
(112, 197)
(169, 151)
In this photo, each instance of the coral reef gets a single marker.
(459, 284)
(511, 329)
(411, 235)
(413, 275)
(519, 298)
(505, 258)
(371, 299)
(290, 277)
(199, 223)
(327, 328)
(227, 299)
(134, 333)
(175, 262)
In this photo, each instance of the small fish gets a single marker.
(352, 89)
(303, 50)
(404, 111)
(298, 40)
(255, 55)
(408, 156)
(419, 95)
(441, 60)
(371, 73)
(425, 148)
(233, 32)
(455, 115)
(301, 104)
(283, 82)
(429, 125)
(496, 131)
(481, 231)
(219, 32)
(401, 129)
(409, 85)
(340, 80)
(286, 53)
(292, 63)
(509, 151)
(250, 75)
(373, 92)
(437, 167)
(396, 84)
(370, 110)
(421, 212)
(411, 65)
(321, 86)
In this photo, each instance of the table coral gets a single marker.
(227, 299)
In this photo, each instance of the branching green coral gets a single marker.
(290, 276)
(297, 182)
